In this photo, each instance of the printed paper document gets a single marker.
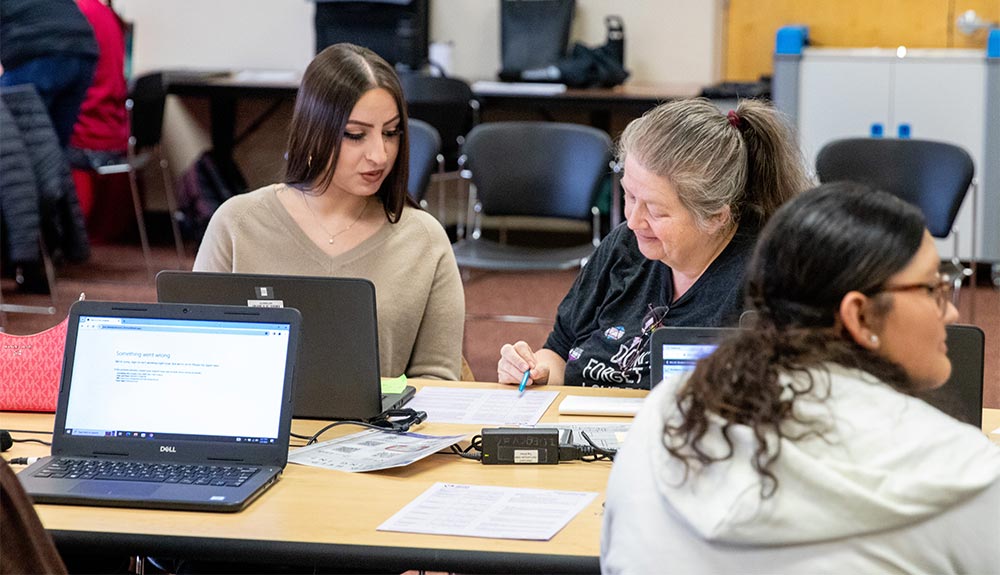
(482, 406)
(371, 450)
(488, 511)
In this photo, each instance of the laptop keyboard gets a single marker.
(217, 475)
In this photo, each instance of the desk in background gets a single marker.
(320, 517)
(609, 109)
(606, 108)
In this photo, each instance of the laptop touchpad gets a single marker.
(115, 488)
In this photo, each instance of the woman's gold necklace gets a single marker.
(320, 222)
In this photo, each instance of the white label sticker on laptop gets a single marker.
(265, 303)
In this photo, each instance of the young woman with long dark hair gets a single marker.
(343, 210)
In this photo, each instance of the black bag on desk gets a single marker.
(202, 189)
(584, 67)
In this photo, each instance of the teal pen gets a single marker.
(524, 380)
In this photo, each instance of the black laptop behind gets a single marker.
(677, 349)
(170, 406)
(338, 375)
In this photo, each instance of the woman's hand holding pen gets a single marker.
(515, 360)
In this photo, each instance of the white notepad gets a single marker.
(597, 405)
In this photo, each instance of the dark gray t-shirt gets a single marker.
(601, 317)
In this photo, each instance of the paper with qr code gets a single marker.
(371, 450)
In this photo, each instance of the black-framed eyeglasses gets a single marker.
(652, 321)
(941, 292)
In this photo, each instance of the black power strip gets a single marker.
(520, 446)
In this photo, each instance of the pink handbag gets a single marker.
(30, 367)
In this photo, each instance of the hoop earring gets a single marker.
(309, 161)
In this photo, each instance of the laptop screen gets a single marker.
(676, 350)
(680, 358)
(145, 378)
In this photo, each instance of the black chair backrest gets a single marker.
(537, 168)
(425, 145)
(445, 103)
(934, 176)
(148, 95)
(962, 396)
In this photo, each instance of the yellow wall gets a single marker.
(751, 26)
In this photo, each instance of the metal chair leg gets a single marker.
(168, 190)
(140, 222)
(50, 279)
(50, 274)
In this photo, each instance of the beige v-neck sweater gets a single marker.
(418, 290)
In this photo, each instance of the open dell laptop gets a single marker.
(170, 406)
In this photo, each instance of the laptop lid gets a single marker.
(675, 350)
(173, 384)
(338, 374)
(962, 395)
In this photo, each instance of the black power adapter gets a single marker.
(521, 446)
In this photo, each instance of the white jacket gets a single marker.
(893, 486)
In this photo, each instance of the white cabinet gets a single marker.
(923, 94)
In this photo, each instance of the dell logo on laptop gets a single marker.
(168, 449)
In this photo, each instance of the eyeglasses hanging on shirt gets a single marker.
(652, 321)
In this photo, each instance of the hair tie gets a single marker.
(734, 119)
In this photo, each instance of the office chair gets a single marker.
(145, 105)
(425, 157)
(962, 396)
(934, 176)
(445, 103)
(537, 169)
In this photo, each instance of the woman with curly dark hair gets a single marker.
(799, 445)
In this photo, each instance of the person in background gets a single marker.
(343, 210)
(799, 446)
(698, 186)
(49, 43)
(100, 136)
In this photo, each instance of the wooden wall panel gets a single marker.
(751, 26)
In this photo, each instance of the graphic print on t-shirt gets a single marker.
(625, 367)
(614, 333)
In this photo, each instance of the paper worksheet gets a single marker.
(604, 434)
(482, 406)
(371, 450)
(489, 511)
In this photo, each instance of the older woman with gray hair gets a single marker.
(699, 184)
